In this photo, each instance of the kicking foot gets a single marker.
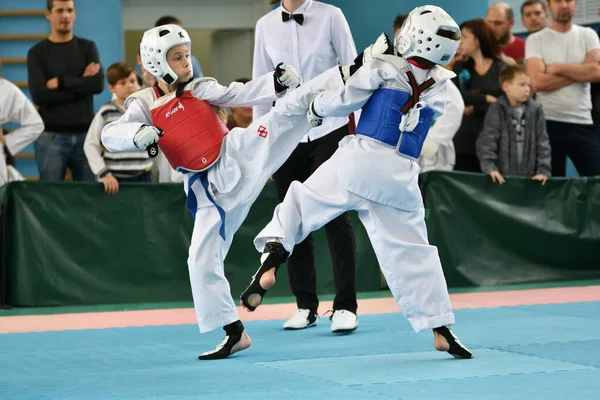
(444, 340)
(273, 256)
(230, 345)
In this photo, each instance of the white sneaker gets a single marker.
(343, 321)
(301, 319)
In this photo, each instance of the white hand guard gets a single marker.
(287, 76)
(146, 136)
(381, 46)
(410, 120)
(313, 118)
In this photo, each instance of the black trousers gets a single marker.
(340, 234)
(467, 162)
(581, 143)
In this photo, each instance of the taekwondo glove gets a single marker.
(313, 118)
(146, 136)
(381, 46)
(286, 77)
(410, 120)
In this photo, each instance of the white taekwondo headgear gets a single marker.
(430, 33)
(155, 45)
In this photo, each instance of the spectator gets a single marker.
(64, 73)
(477, 65)
(534, 15)
(562, 61)
(501, 19)
(15, 107)
(514, 139)
(167, 19)
(112, 168)
(322, 40)
(240, 116)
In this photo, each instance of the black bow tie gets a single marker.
(299, 18)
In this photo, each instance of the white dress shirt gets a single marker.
(323, 41)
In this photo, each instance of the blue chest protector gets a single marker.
(380, 120)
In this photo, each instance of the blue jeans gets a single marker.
(54, 152)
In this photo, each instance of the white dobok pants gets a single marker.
(372, 178)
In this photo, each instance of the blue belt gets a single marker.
(192, 203)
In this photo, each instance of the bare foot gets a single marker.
(457, 349)
(270, 261)
(243, 344)
(267, 280)
(439, 342)
(230, 345)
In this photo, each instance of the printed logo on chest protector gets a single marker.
(175, 109)
(262, 131)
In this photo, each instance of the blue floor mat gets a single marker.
(534, 352)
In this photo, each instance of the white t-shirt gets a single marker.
(571, 103)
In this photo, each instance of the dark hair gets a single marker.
(50, 3)
(167, 19)
(490, 48)
(508, 73)
(117, 71)
(400, 20)
(243, 80)
(274, 1)
(528, 3)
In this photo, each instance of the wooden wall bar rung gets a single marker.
(26, 36)
(21, 13)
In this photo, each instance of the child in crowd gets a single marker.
(514, 140)
(112, 168)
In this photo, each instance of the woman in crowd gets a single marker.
(477, 65)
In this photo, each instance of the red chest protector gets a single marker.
(193, 133)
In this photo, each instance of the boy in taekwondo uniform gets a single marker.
(375, 172)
